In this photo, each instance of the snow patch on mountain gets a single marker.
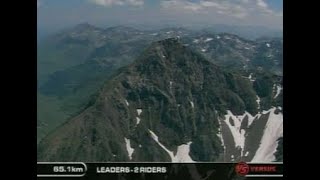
(183, 150)
(208, 39)
(279, 89)
(238, 135)
(258, 102)
(272, 131)
(251, 118)
(139, 111)
(220, 136)
(183, 153)
(203, 50)
(232, 157)
(269, 142)
(138, 120)
(156, 139)
(192, 105)
(246, 114)
(265, 112)
(250, 77)
(129, 149)
(196, 41)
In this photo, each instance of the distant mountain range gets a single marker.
(245, 31)
(86, 46)
(248, 32)
(169, 95)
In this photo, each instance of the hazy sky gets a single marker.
(56, 14)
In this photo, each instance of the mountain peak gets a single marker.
(170, 41)
(170, 57)
(172, 49)
(121, 28)
(163, 50)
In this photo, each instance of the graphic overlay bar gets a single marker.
(61, 169)
(157, 171)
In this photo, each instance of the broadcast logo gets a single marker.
(242, 169)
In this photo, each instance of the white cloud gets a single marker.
(118, 2)
(225, 7)
(264, 8)
(192, 6)
(232, 8)
(237, 12)
(262, 4)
